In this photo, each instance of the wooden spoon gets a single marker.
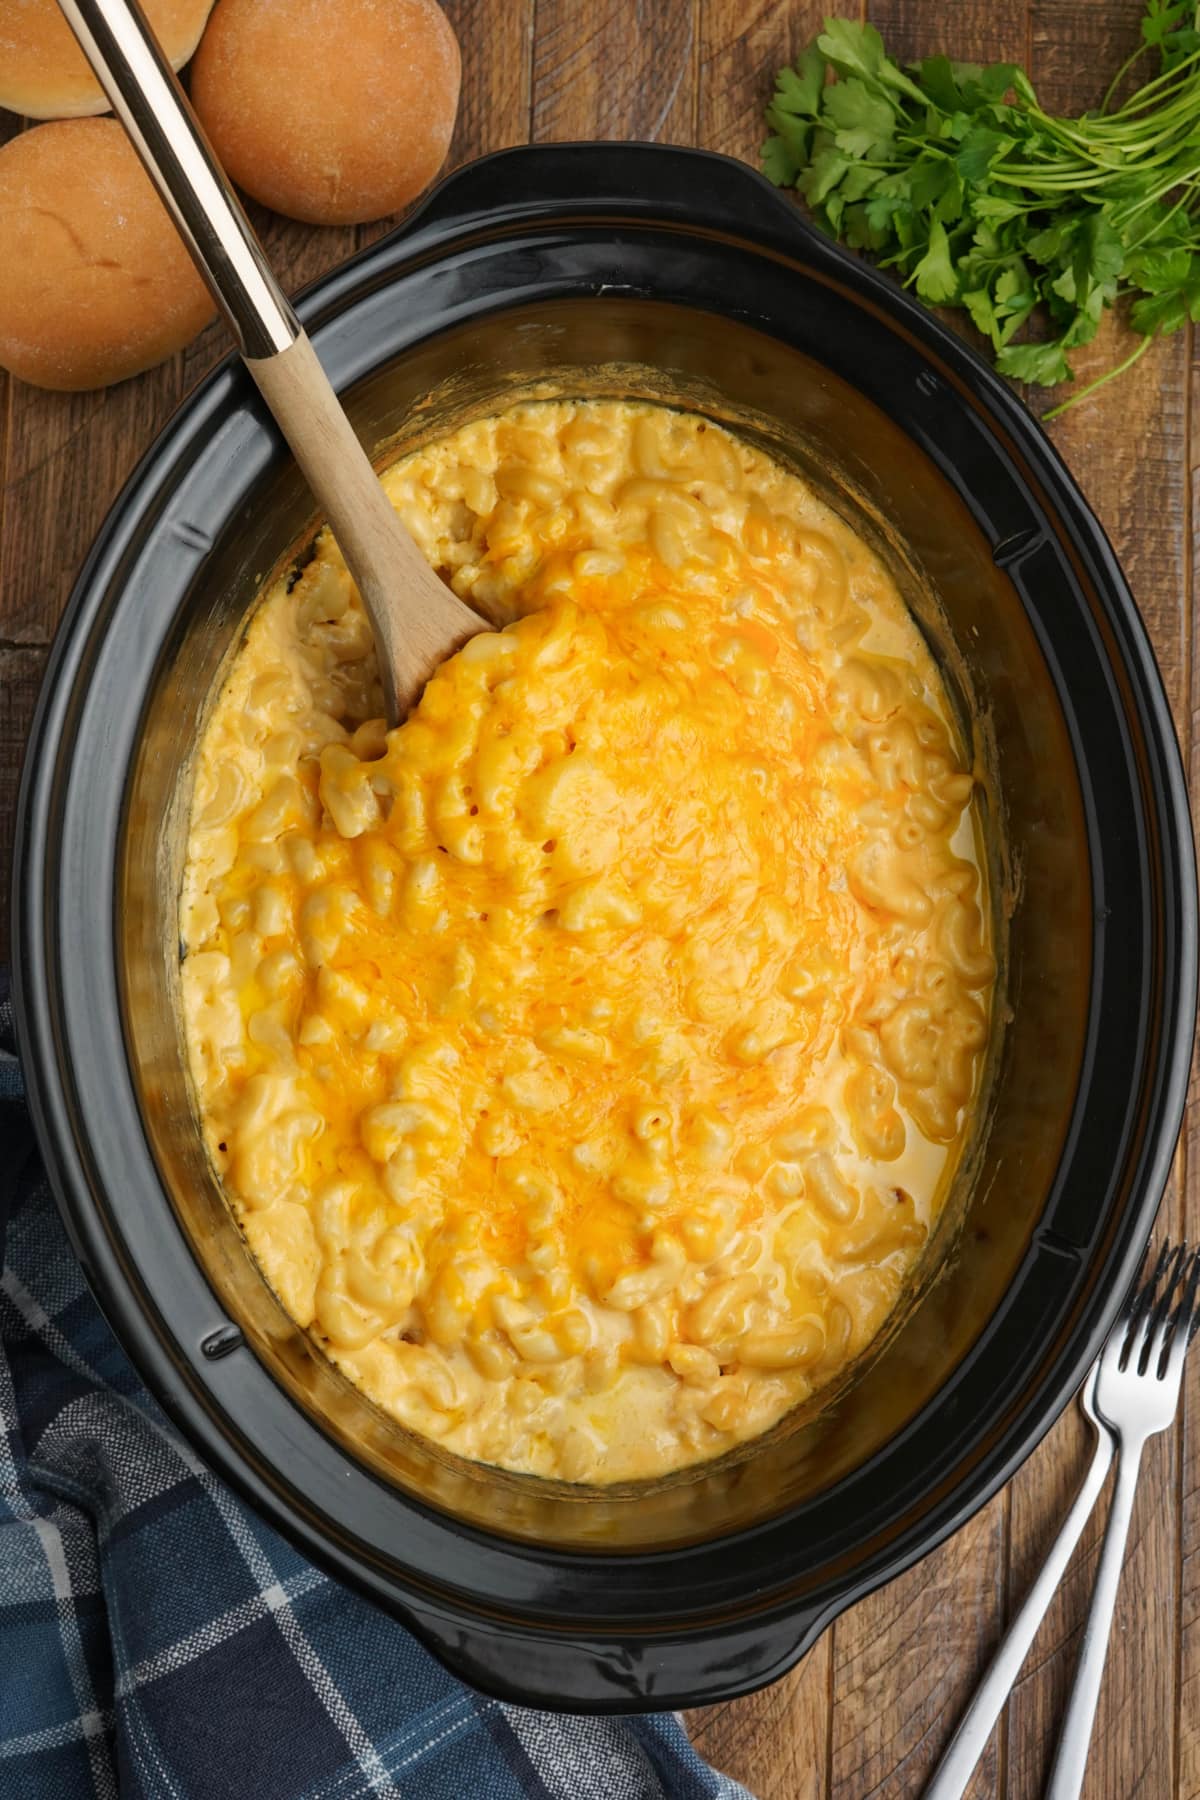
(416, 619)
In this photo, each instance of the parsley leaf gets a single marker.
(798, 90)
(1170, 28)
(823, 174)
(863, 121)
(1160, 271)
(1043, 363)
(978, 151)
(781, 160)
(1170, 310)
(934, 274)
(978, 303)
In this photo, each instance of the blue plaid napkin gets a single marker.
(157, 1640)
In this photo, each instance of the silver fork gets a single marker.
(953, 1773)
(1137, 1393)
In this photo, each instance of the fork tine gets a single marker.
(1154, 1332)
(1140, 1298)
(1183, 1324)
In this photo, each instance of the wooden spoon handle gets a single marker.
(376, 546)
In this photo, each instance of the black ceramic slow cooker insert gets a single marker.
(630, 270)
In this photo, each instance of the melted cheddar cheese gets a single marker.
(587, 1059)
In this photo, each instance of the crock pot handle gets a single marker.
(666, 182)
(573, 1671)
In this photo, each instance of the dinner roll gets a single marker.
(43, 72)
(95, 283)
(334, 111)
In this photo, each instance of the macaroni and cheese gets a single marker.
(586, 1061)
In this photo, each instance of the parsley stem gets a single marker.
(1120, 75)
(1063, 406)
(1031, 175)
(1185, 180)
(1126, 215)
(1135, 136)
(1149, 95)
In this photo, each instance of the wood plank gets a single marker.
(497, 55)
(1076, 47)
(972, 31)
(1188, 1693)
(742, 44)
(18, 682)
(615, 69)
(906, 1661)
(20, 677)
(774, 1742)
(6, 393)
(1127, 447)
(67, 456)
(10, 126)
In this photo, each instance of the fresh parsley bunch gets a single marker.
(953, 175)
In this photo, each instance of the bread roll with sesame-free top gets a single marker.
(95, 283)
(332, 111)
(45, 75)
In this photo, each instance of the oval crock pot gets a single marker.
(637, 269)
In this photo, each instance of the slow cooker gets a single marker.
(670, 274)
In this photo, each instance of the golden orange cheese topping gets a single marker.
(587, 1060)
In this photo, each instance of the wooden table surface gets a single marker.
(869, 1709)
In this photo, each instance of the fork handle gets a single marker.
(1070, 1759)
(967, 1745)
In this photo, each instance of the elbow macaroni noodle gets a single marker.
(586, 1061)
